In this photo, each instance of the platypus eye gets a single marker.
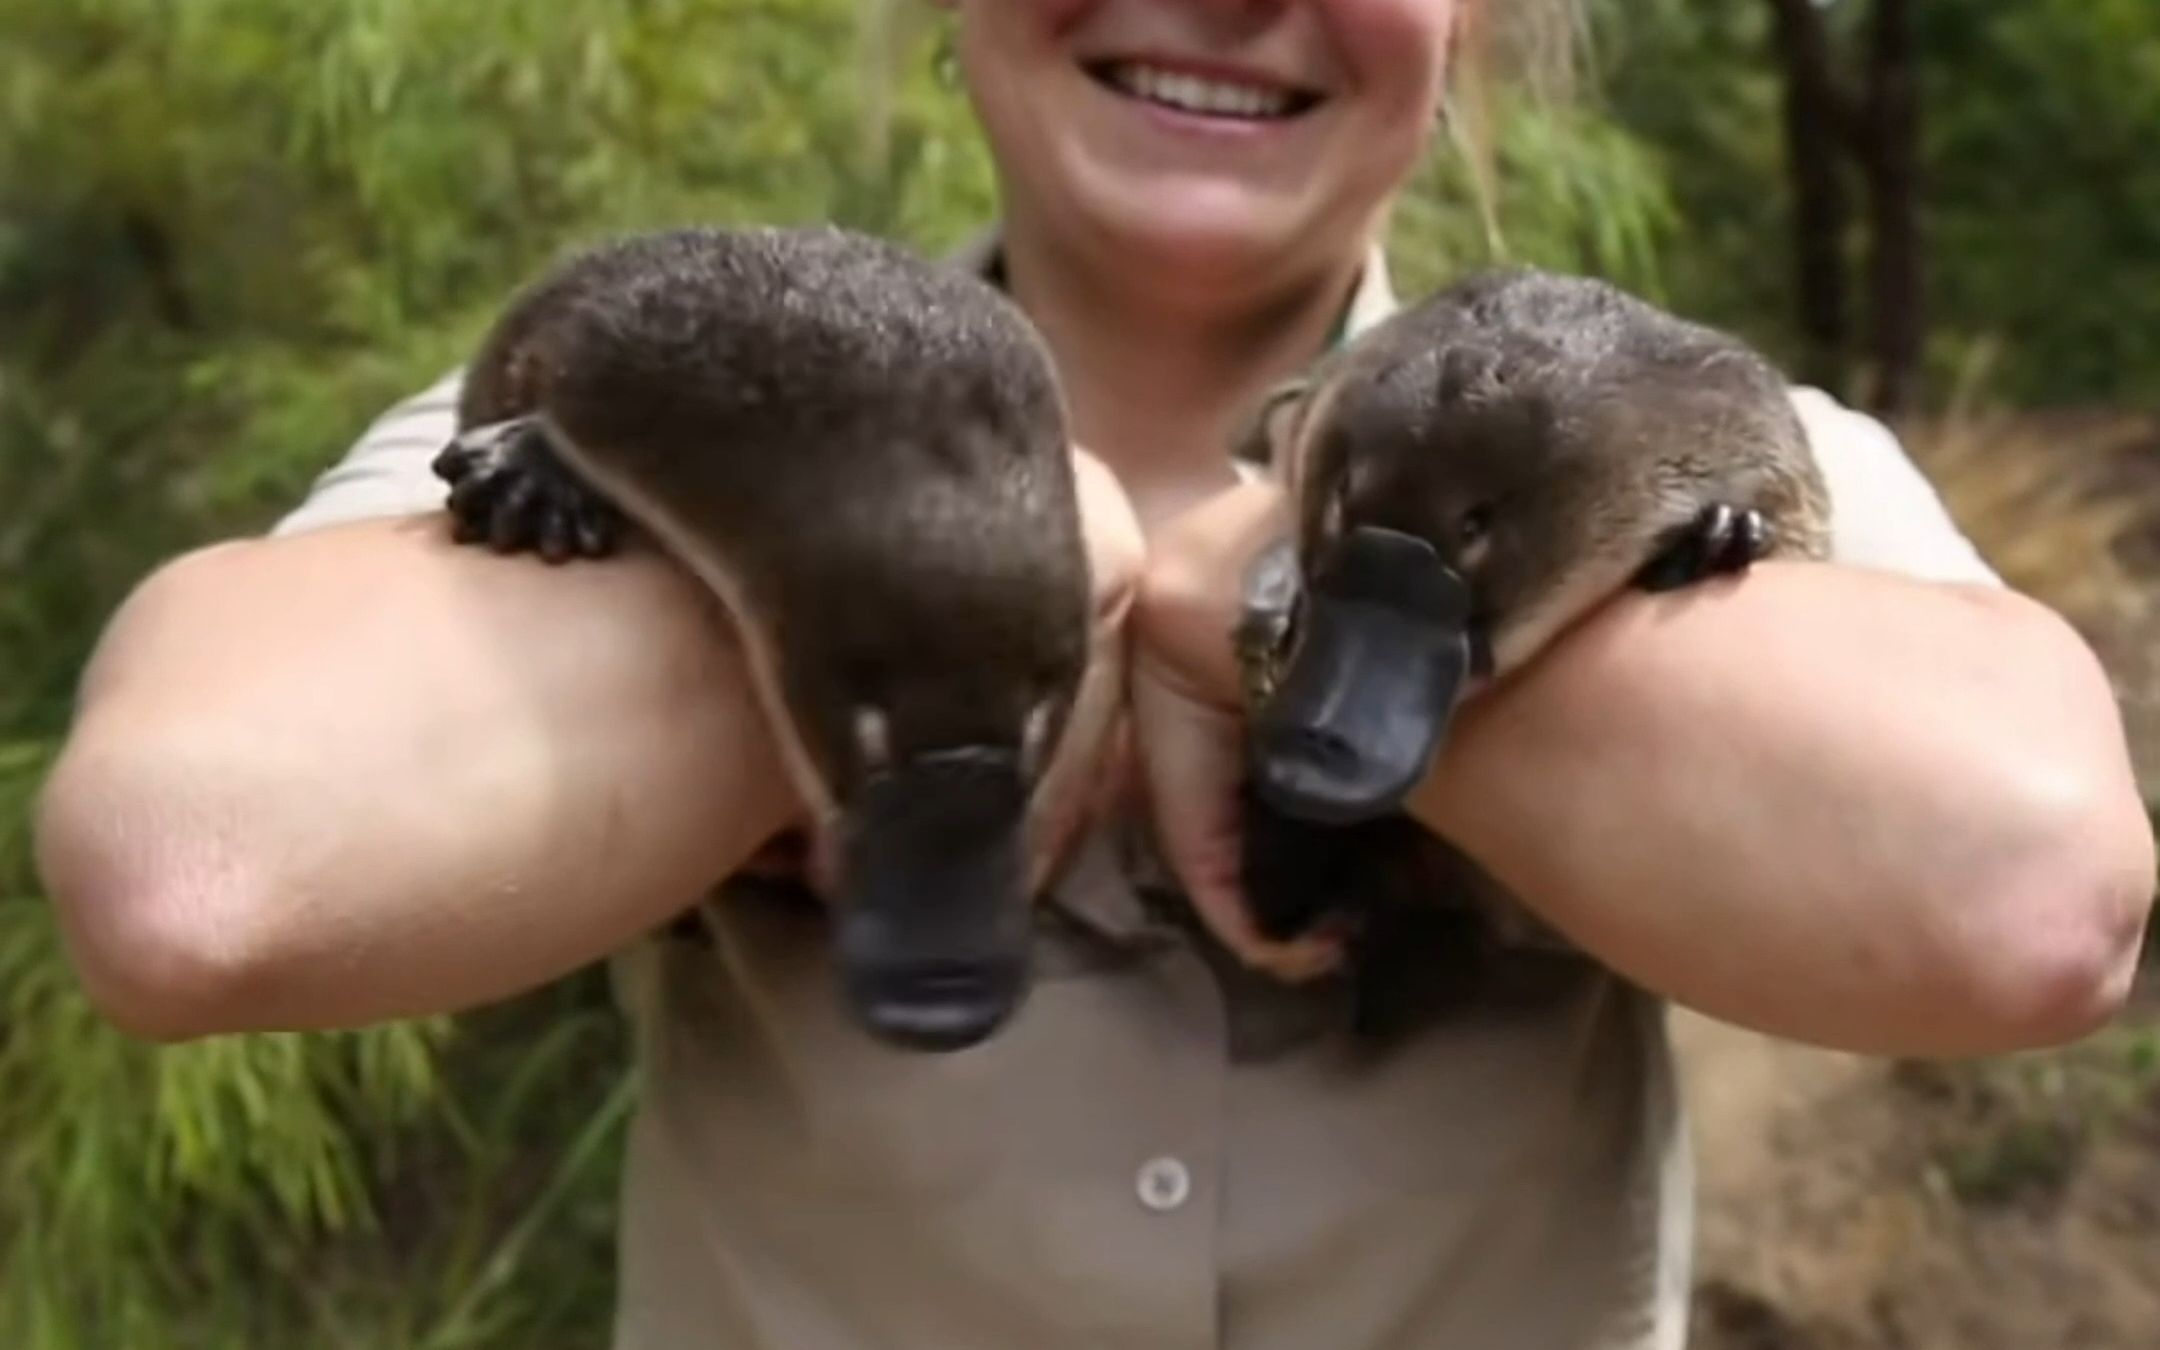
(1474, 525)
(1035, 736)
(873, 739)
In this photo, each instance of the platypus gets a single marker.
(863, 455)
(1467, 480)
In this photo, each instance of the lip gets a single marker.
(1201, 68)
(1204, 124)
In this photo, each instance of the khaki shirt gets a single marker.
(1159, 1152)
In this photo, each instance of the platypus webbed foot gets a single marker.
(1293, 870)
(1722, 540)
(1300, 874)
(1415, 948)
(510, 491)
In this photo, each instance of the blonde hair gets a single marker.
(1530, 43)
(1529, 47)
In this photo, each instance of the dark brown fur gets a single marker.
(871, 446)
(864, 456)
(1586, 424)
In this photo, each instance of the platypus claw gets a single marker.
(1721, 540)
(510, 491)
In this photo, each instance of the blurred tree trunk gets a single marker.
(1829, 134)
(1891, 152)
(1815, 133)
(152, 246)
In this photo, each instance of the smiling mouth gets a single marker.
(1200, 96)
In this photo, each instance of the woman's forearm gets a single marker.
(359, 773)
(1831, 804)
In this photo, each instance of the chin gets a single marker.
(1200, 229)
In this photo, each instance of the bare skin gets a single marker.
(211, 876)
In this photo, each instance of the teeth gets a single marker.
(1192, 94)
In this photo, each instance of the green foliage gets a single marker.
(232, 231)
(2043, 148)
(383, 1188)
(1696, 85)
(1569, 190)
(2041, 180)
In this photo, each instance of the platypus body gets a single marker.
(1468, 479)
(864, 456)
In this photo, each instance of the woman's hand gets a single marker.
(1083, 775)
(1188, 723)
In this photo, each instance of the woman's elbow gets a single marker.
(2064, 893)
(2064, 930)
(168, 930)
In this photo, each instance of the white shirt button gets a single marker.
(1164, 1184)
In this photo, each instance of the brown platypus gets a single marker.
(863, 455)
(1468, 479)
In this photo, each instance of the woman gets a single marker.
(351, 772)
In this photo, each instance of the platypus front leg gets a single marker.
(1722, 539)
(510, 490)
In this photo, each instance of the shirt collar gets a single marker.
(1372, 301)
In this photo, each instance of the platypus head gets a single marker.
(1467, 482)
(933, 718)
(930, 645)
(864, 455)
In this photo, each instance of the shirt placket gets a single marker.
(1164, 1246)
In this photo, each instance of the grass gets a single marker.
(2014, 1129)
(431, 1185)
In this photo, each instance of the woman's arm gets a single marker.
(1834, 805)
(357, 773)
(1828, 802)
(353, 771)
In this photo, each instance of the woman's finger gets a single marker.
(1192, 756)
(1073, 785)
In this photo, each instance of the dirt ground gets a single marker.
(1852, 1204)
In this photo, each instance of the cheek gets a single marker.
(1037, 19)
(1397, 48)
(1059, 16)
(999, 50)
(1004, 38)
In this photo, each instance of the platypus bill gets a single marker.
(863, 455)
